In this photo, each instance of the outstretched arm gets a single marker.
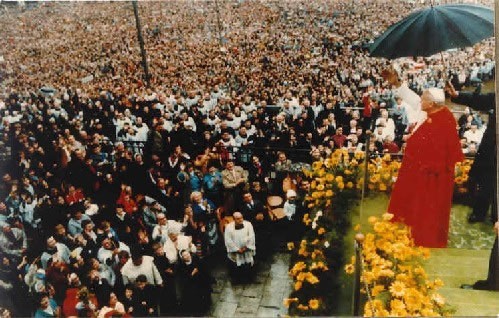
(475, 100)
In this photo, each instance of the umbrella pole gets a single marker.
(444, 72)
(496, 88)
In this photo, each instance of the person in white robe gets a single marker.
(240, 241)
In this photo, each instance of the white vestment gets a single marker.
(236, 239)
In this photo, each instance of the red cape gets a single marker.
(422, 194)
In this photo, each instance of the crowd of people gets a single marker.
(116, 188)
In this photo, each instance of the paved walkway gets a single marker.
(261, 298)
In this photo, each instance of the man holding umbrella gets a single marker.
(483, 177)
(483, 172)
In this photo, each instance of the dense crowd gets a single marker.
(114, 189)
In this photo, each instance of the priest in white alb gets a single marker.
(240, 244)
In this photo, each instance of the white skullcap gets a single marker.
(290, 194)
(437, 94)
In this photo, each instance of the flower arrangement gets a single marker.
(392, 263)
(318, 258)
(393, 272)
(461, 178)
(383, 172)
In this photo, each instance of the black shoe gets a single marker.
(478, 285)
(474, 218)
(481, 285)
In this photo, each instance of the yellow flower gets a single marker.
(341, 185)
(427, 312)
(349, 269)
(374, 179)
(303, 252)
(402, 278)
(397, 304)
(291, 246)
(317, 194)
(312, 279)
(413, 299)
(301, 276)
(438, 299)
(316, 165)
(297, 268)
(289, 301)
(321, 172)
(419, 271)
(386, 273)
(382, 187)
(329, 193)
(438, 283)
(307, 173)
(398, 313)
(320, 187)
(329, 177)
(302, 307)
(397, 289)
(339, 179)
(387, 216)
(376, 290)
(349, 185)
(313, 303)
(372, 219)
(321, 231)
(298, 285)
(379, 309)
(379, 227)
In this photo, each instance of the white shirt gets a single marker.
(475, 137)
(172, 249)
(104, 254)
(130, 272)
(160, 232)
(289, 209)
(141, 132)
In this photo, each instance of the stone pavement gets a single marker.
(261, 298)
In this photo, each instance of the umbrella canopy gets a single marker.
(435, 29)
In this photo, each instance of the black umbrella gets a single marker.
(435, 29)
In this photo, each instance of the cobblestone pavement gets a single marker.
(263, 297)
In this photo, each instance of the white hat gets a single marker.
(290, 194)
(437, 94)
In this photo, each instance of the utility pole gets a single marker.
(219, 23)
(141, 42)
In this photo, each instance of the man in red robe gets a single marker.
(422, 194)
